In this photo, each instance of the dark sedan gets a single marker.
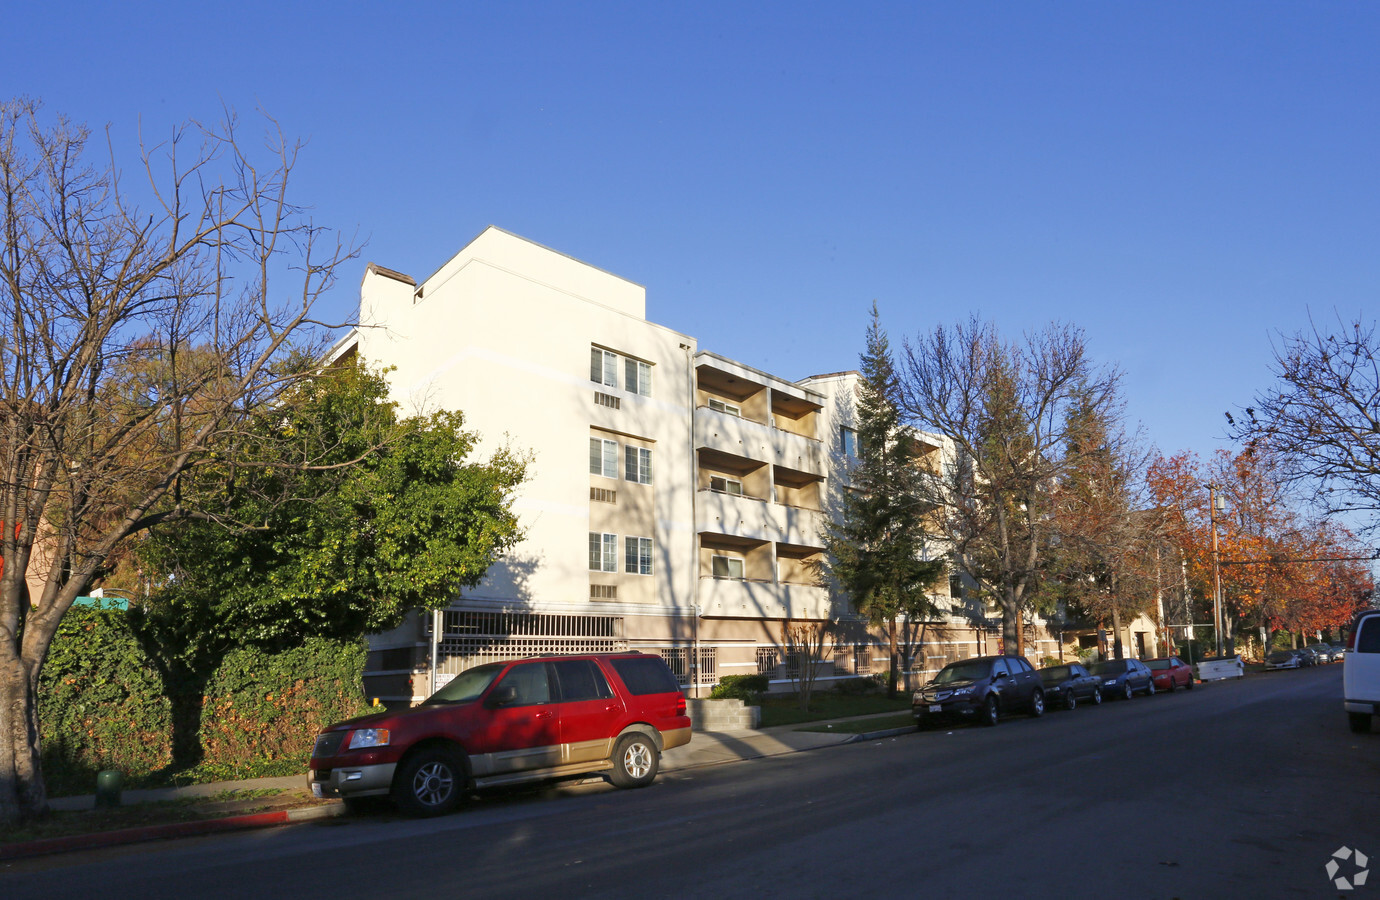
(981, 689)
(1066, 685)
(1123, 677)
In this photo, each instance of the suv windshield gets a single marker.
(466, 686)
(1109, 667)
(963, 671)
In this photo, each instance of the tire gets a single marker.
(1359, 722)
(1037, 704)
(1150, 688)
(1173, 684)
(1071, 701)
(1126, 692)
(635, 761)
(1189, 686)
(1097, 696)
(431, 782)
(991, 715)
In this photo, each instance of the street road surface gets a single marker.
(1237, 789)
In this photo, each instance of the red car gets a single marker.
(1170, 673)
(505, 723)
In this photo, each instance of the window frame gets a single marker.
(608, 465)
(726, 408)
(634, 459)
(637, 376)
(725, 482)
(606, 373)
(637, 555)
(608, 551)
(729, 566)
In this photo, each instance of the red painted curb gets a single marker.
(146, 833)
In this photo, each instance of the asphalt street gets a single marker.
(1236, 789)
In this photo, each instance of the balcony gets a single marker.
(748, 517)
(735, 435)
(762, 599)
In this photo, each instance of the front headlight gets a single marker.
(368, 737)
(963, 692)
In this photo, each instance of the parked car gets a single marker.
(1324, 652)
(1170, 673)
(1123, 677)
(1306, 657)
(1283, 659)
(1339, 651)
(983, 689)
(506, 723)
(1066, 685)
(1361, 671)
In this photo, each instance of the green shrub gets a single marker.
(747, 688)
(1051, 661)
(101, 705)
(262, 706)
(856, 687)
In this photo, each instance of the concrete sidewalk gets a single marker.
(705, 749)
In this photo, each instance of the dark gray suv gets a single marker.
(982, 689)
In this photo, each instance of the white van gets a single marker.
(1361, 671)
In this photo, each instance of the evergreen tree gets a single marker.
(878, 549)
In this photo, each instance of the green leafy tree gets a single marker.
(879, 550)
(390, 516)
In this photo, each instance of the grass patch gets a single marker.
(863, 726)
(784, 710)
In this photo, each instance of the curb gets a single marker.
(99, 839)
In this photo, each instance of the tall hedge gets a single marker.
(101, 704)
(270, 706)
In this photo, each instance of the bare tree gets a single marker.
(133, 341)
(1323, 414)
(806, 644)
(1005, 407)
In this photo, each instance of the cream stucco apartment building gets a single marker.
(676, 498)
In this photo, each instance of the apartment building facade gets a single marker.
(676, 500)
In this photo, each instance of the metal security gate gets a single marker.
(468, 639)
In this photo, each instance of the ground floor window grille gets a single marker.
(862, 660)
(766, 661)
(678, 658)
(469, 639)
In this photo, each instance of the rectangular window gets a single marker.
(603, 457)
(728, 567)
(638, 556)
(603, 367)
(638, 465)
(723, 407)
(726, 485)
(850, 441)
(603, 495)
(612, 402)
(603, 552)
(637, 377)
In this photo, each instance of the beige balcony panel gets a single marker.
(740, 437)
(766, 600)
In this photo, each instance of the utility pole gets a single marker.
(1213, 508)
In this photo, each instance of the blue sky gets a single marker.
(1180, 180)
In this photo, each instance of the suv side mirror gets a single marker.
(503, 695)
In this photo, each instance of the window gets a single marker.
(612, 402)
(645, 675)
(638, 465)
(603, 457)
(603, 495)
(726, 485)
(580, 679)
(529, 683)
(603, 367)
(603, 552)
(638, 556)
(637, 377)
(725, 407)
(727, 567)
(849, 437)
(603, 592)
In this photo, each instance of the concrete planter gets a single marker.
(722, 715)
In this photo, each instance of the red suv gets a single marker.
(506, 723)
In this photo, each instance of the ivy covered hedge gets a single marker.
(103, 705)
